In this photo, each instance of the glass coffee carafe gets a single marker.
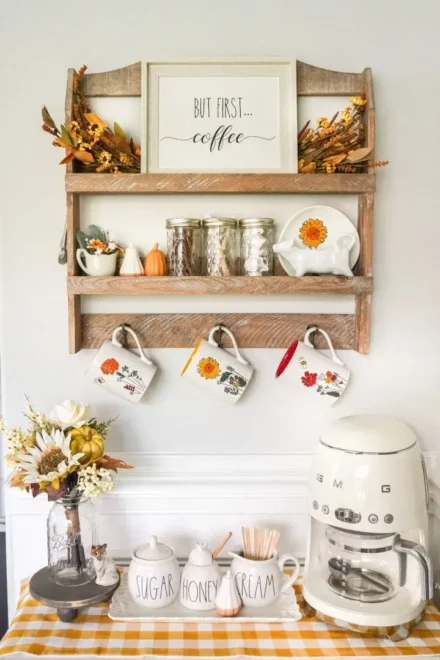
(370, 568)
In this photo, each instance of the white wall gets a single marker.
(39, 41)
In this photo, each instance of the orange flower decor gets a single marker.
(109, 366)
(330, 377)
(313, 233)
(208, 368)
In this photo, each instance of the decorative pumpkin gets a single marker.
(87, 441)
(155, 263)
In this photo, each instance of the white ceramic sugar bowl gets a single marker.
(154, 575)
(201, 579)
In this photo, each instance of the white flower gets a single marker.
(49, 460)
(93, 481)
(70, 413)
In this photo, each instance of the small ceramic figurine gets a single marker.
(105, 568)
(131, 266)
(334, 260)
(228, 601)
(201, 579)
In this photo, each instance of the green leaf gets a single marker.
(47, 118)
(335, 394)
(225, 375)
(65, 135)
(81, 237)
(118, 130)
(93, 231)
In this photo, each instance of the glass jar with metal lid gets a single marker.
(256, 241)
(220, 247)
(183, 243)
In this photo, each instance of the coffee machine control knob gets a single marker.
(347, 516)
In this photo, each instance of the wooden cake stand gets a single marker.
(67, 600)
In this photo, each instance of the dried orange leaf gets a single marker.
(94, 119)
(70, 156)
(308, 169)
(359, 154)
(110, 463)
(84, 156)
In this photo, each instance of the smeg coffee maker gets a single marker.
(367, 564)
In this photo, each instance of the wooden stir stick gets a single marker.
(221, 545)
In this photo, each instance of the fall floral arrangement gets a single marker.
(336, 144)
(88, 139)
(97, 241)
(61, 454)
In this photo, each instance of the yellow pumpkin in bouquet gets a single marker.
(88, 441)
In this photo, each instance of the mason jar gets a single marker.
(183, 243)
(71, 532)
(256, 242)
(220, 247)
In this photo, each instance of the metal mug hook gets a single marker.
(219, 334)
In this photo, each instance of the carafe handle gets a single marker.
(404, 548)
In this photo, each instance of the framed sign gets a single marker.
(222, 116)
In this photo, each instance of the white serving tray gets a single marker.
(123, 608)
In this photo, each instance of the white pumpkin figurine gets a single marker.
(131, 265)
(201, 579)
(228, 601)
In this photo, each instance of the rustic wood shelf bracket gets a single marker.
(351, 331)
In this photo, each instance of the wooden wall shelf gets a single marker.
(184, 286)
(168, 184)
(252, 330)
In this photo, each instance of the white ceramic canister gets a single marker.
(201, 580)
(154, 575)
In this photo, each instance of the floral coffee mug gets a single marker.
(311, 372)
(216, 370)
(120, 371)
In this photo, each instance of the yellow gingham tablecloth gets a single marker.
(36, 630)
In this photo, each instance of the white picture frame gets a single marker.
(231, 115)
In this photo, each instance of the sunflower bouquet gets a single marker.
(61, 454)
(88, 139)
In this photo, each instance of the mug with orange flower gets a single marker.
(216, 370)
(310, 372)
(120, 371)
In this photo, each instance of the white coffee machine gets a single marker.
(366, 561)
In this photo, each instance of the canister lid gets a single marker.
(183, 222)
(219, 222)
(201, 555)
(369, 434)
(153, 551)
(256, 222)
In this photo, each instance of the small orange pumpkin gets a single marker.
(155, 263)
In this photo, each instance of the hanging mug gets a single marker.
(309, 371)
(120, 371)
(216, 370)
(97, 265)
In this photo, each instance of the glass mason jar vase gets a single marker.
(256, 241)
(71, 532)
(183, 243)
(219, 247)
